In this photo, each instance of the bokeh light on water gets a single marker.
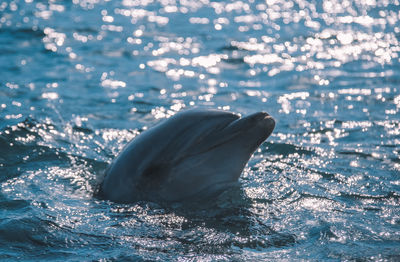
(79, 79)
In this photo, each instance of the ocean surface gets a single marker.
(81, 78)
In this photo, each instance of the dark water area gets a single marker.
(81, 78)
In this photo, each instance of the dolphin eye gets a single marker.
(152, 177)
(153, 172)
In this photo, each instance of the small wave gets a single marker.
(286, 149)
(389, 196)
(23, 231)
(31, 145)
(234, 60)
(11, 205)
(89, 30)
(373, 156)
(22, 32)
(20, 145)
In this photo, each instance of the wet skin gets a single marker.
(195, 153)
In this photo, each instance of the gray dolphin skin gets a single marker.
(195, 153)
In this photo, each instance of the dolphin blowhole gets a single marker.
(194, 153)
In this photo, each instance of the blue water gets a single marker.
(79, 79)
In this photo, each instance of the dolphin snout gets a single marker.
(264, 123)
(263, 118)
(268, 118)
(259, 116)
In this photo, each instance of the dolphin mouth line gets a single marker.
(252, 121)
(229, 136)
(222, 142)
(268, 117)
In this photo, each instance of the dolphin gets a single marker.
(195, 153)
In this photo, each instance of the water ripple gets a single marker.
(81, 78)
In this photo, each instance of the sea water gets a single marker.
(81, 78)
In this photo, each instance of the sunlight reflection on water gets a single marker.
(81, 78)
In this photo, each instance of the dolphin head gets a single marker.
(197, 152)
